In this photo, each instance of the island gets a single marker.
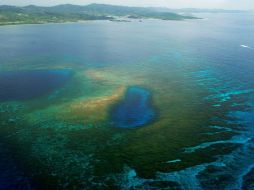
(12, 15)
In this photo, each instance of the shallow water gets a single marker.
(193, 79)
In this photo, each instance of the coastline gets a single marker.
(84, 21)
(41, 23)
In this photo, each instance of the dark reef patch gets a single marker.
(248, 180)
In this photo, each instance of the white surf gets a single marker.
(244, 46)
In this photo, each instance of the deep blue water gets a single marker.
(134, 110)
(10, 177)
(25, 85)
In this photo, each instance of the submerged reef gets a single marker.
(84, 121)
(95, 109)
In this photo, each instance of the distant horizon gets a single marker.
(170, 4)
(124, 6)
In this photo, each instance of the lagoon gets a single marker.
(73, 90)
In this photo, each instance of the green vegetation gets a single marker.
(72, 13)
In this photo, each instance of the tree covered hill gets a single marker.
(63, 13)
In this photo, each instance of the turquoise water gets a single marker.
(193, 79)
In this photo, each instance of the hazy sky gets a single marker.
(226, 4)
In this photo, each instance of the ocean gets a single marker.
(128, 105)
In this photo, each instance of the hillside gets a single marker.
(72, 13)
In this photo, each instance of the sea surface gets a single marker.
(128, 105)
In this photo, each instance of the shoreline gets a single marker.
(84, 21)
(42, 23)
